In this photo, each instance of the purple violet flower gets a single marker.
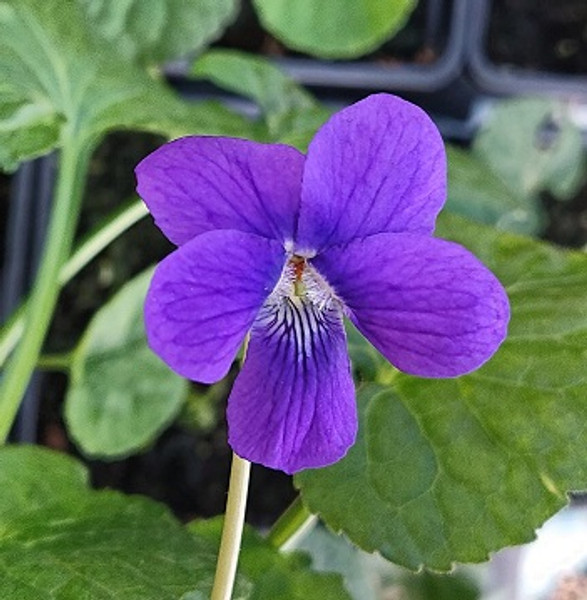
(283, 245)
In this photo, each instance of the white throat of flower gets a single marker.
(302, 308)
(301, 283)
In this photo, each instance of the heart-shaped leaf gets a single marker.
(63, 541)
(451, 470)
(60, 81)
(334, 28)
(121, 394)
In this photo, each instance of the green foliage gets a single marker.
(526, 147)
(476, 192)
(368, 577)
(332, 552)
(334, 28)
(59, 81)
(205, 405)
(271, 574)
(254, 78)
(121, 394)
(152, 31)
(367, 362)
(60, 540)
(289, 113)
(531, 144)
(26, 130)
(436, 586)
(451, 470)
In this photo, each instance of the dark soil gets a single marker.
(567, 221)
(544, 35)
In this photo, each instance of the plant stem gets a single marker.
(93, 244)
(233, 528)
(294, 521)
(55, 362)
(129, 214)
(73, 166)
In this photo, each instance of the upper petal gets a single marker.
(428, 305)
(198, 184)
(205, 296)
(292, 406)
(376, 166)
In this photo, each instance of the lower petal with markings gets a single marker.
(292, 406)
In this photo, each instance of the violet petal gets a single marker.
(292, 406)
(204, 298)
(376, 166)
(198, 184)
(428, 305)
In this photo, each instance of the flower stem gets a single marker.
(293, 522)
(64, 216)
(106, 232)
(233, 529)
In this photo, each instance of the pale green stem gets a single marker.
(55, 362)
(233, 529)
(294, 521)
(128, 215)
(94, 243)
(73, 166)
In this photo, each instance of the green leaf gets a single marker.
(27, 130)
(532, 146)
(59, 81)
(271, 573)
(451, 470)
(361, 571)
(153, 31)
(334, 28)
(156, 110)
(63, 541)
(367, 577)
(439, 586)
(290, 113)
(298, 128)
(121, 395)
(367, 362)
(205, 406)
(474, 191)
(254, 78)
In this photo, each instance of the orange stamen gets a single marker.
(299, 264)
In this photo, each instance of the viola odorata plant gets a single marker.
(283, 246)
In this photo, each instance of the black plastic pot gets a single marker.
(507, 78)
(29, 206)
(447, 42)
(437, 30)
